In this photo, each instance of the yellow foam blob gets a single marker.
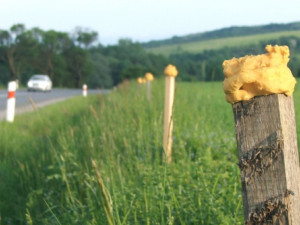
(171, 71)
(149, 76)
(265, 74)
(141, 80)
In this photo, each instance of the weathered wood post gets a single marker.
(149, 77)
(266, 137)
(268, 159)
(139, 82)
(170, 72)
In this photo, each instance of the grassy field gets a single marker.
(200, 46)
(99, 160)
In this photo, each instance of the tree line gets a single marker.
(71, 59)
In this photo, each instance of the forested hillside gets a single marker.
(224, 33)
(71, 59)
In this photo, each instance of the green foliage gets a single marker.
(71, 60)
(4, 74)
(101, 74)
(129, 60)
(48, 176)
(132, 72)
(85, 38)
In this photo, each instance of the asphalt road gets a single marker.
(40, 99)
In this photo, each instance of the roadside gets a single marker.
(30, 108)
(23, 99)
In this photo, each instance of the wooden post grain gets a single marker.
(268, 159)
(168, 120)
(149, 90)
(139, 83)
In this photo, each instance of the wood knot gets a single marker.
(271, 210)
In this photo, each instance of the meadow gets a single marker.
(98, 160)
(214, 44)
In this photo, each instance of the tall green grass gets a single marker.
(98, 160)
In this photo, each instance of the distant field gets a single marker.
(200, 46)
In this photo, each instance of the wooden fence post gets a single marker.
(139, 83)
(170, 72)
(149, 77)
(268, 159)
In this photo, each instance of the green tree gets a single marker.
(78, 64)
(18, 48)
(53, 44)
(101, 75)
(29, 48)
(9, 44)
(84, 37)
(132, 72)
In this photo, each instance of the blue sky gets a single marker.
(144, 20)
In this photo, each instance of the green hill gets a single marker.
(199, 57)
(230, 37)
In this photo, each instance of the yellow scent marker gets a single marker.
(149, 77)
(264, 74)
(260, 89)
(140, 81)
(170, 72)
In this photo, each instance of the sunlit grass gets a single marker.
(98, 160)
